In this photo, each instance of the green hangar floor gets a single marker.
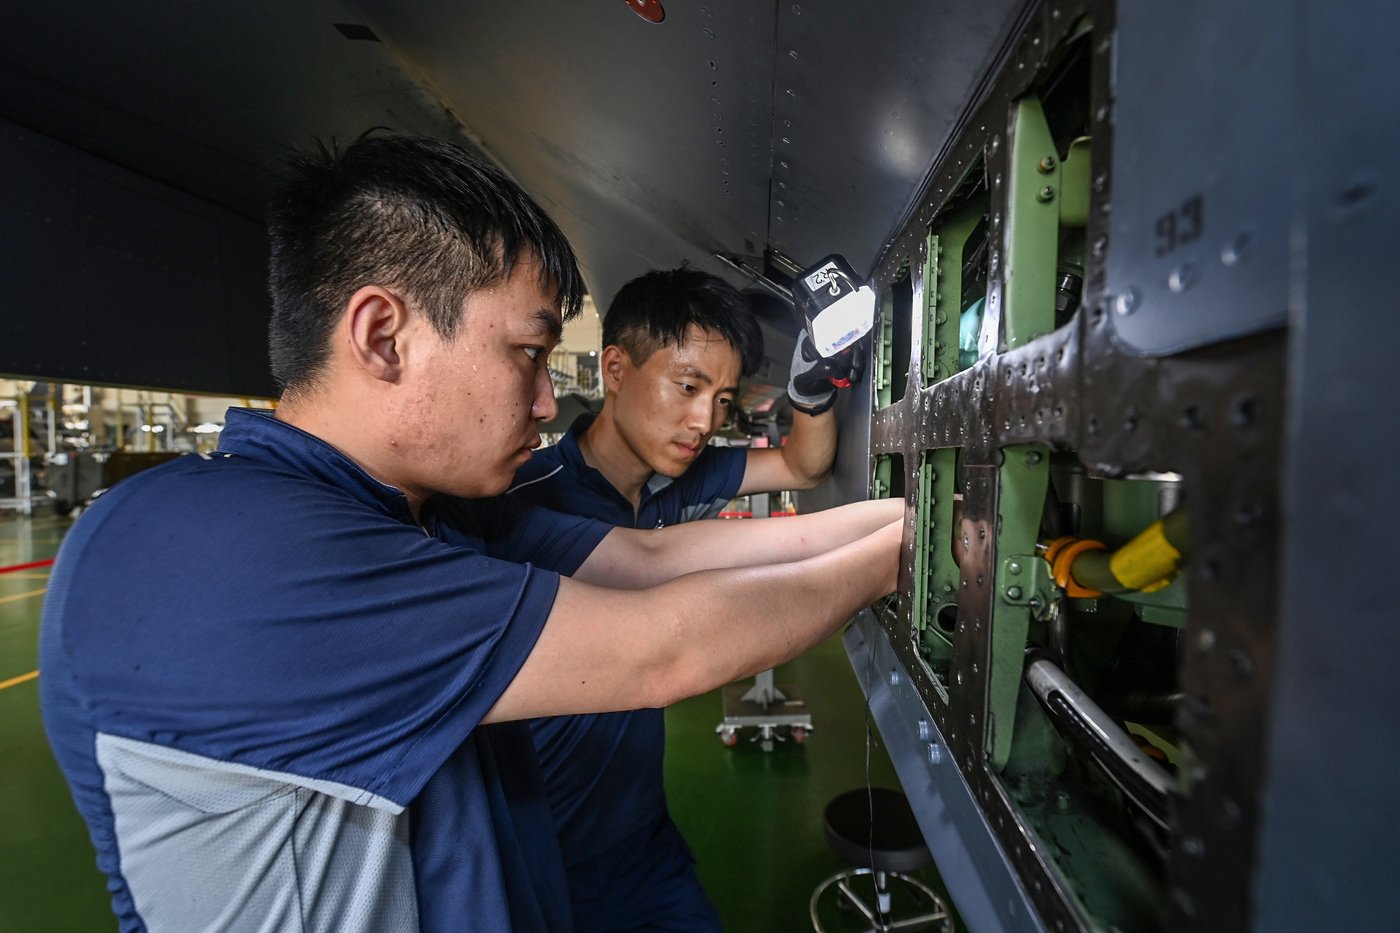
(753, 818)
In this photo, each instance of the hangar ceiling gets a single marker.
(799, 127)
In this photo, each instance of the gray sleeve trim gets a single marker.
(693, 513)
(538, 479)
(111, 748)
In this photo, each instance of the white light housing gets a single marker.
(841, 324)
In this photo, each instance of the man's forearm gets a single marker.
(633, 559)
(811, 448)
(791, 607)
(606, 650)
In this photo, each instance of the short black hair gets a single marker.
(653, 311)
(419, 215)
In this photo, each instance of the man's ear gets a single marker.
(615, 364)
(375, 321)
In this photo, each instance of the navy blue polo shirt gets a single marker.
(264, 683)
(603, 771)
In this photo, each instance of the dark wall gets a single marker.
(113, 278)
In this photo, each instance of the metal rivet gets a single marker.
(1182, 277)
(1127, 302)
(1013, 592)
(1235, 250)
(1355, 197)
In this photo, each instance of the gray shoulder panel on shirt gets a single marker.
(207, 844)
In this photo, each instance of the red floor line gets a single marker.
(29, 566)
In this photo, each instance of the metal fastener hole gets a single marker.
(1246, 412)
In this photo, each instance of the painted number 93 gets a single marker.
(1181, 226)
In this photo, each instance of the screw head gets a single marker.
(935, 754)
(1046, 165)
(1013, 592)
(1013, 567)
(1045, 194)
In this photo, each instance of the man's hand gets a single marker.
(814, 378)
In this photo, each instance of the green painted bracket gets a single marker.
(880, 479)
(1029, 584)
(936, 576)
(943, 286)
(1024, 479)
(935, 315)
(884, 350)
(1074, 184)
(1032, 227)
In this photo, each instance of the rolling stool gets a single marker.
(890, 844)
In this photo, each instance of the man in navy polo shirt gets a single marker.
(285, 681)
(675, 344)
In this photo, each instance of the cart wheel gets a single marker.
(730, 739)
(799, 734)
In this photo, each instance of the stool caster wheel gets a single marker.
(729, 737)
(799, 734)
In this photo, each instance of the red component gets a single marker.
(729, 738)
(649, 10)
(839, 383)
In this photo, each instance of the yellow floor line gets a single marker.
(22, 678)
(26, 575)
(10, 599)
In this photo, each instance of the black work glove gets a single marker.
(814, 378)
